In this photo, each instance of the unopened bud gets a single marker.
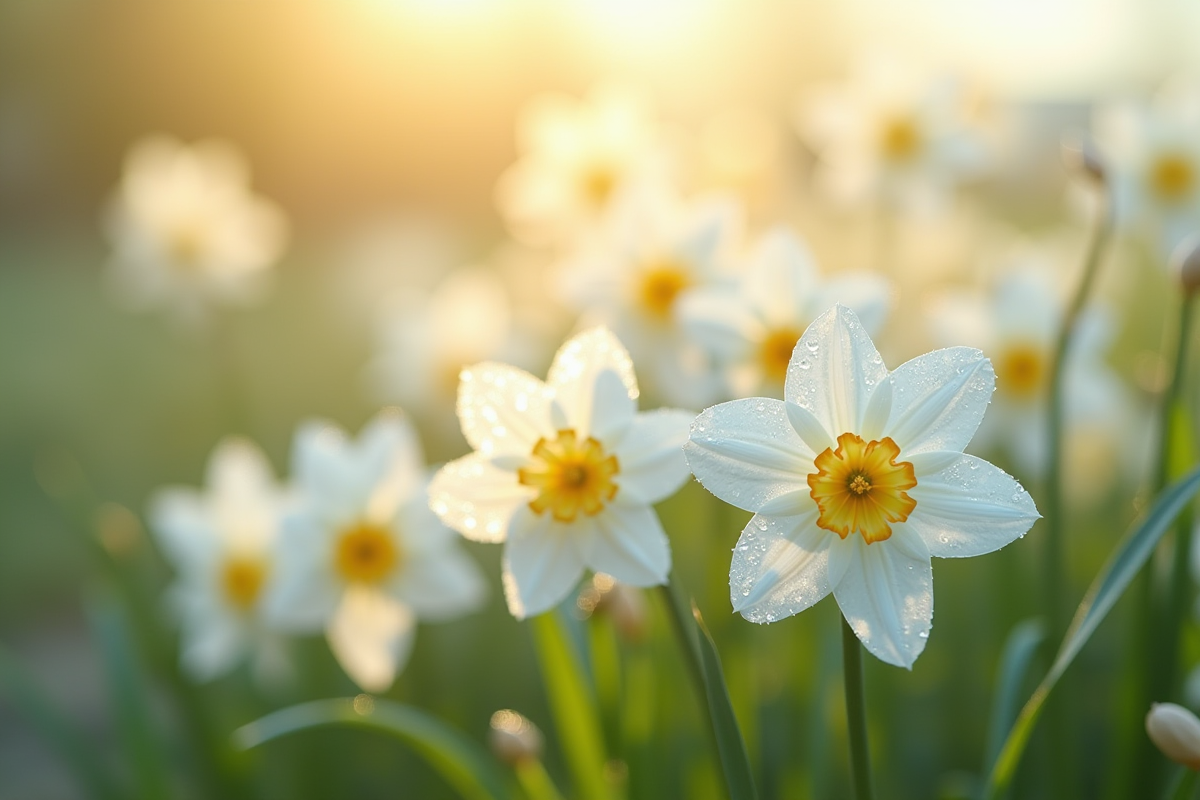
(1185, 263)
(627, 607)
(514, 738)
(1176, 732)
(1081, 158)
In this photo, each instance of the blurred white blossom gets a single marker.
(186, 230)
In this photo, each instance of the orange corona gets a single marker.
(861, 488)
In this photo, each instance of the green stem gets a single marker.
(1184, 786)
(856, 713)
(535, 781)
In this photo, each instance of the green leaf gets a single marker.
(1131, 554)
(463, 763)
(705, 664)
(1019, 651)
(23, 693)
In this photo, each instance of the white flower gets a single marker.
(636, 274)
(564, 472)
(222, 544)
(186, 230)
(1017, 325)
(890, 133)
(753, 329)
(363, 556)
(857, 477)
(1176, 732)
(577, 156)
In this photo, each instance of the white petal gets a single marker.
(503, 409)
(747, 453)
(212, 648)
(630, 545)
(388, 460)
(939, 399)
(886, 595)
(441, 585)
(781, 278)
(238, 467)
(476, 498)
(542, 561)
(780, 567)
(809, 428)
(371, 636)
(612, 409)
(302, 593)
(323, 472)
(183, 526)
(650, 456)
(577, 366)
(968, 507)
(833, 369)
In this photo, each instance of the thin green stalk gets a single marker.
(535, 781)
(1185, 785)
(856, 713)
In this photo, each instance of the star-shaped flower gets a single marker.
(564, 472)
(856, 478)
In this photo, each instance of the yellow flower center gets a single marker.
(660, 284)
(570, 476)
(900, 139)
(598, 181)
(242, 579)
(861, 487)
(1172, 176)
(366, 553)
(186, 245)
(1021, 369)
(775, 352)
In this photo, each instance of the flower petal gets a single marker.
(612, 409)
(968, 507)
(747, 453)
(212, 648)
(476, 498)
(577, 367)
(542, 561)
(183, 527)
(322, 471)
(651, 457)
(780, 567)
(939, 399)
(886, 595)
(371, 635)
(833, 370)
(440, 585)
(502, 409)
(630, 545)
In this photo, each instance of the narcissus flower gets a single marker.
(564, 472)
(857, 477)
(222, 545)
(363, 557)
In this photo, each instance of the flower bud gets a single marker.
(513, 738)
(1081, 158)
(1185, 263)
(1176, 732)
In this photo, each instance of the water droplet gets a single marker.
(804, 363)
(813, 345)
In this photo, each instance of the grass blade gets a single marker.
(1131, 554)
(463, 763)
(1019, 651)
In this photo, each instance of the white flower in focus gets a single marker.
(363, 557)
(222, 544)
(890, 133)
(754, 328)
(564, 472)
(1152, 155)
(577, 156)
(1017, 325)
(636, 276)
(186, 230)
(857, 477)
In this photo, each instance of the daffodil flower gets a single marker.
(857, 477)
(222, 543)
(363, 557)
(564, 472)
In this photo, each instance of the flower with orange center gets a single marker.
(366, 553)
(659, 285)
(858, 516)
(1021, 369)
(775, 352)
(242, 580)
(1172, 177)
(900, 139)
(565, 472)
(860, 488)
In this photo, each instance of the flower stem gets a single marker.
(538, 785)
(856, 713)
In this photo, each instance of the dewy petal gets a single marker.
(630, 545)
(834, 369)
(939, 399)
(502, 409)
(650, 456)
(612, 409)
(577, 367)
(747, 453)
(780, 567)
(476, 498)
(441, 585)
(886, 595)
(542, 561)
(968, 507)
(371, 635)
